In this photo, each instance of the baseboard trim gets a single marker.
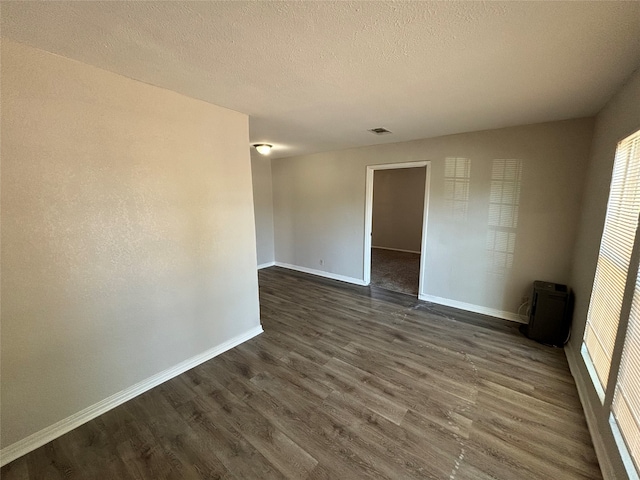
(514, 317)
(574, 359)
(320, 273)
(36, 440)
(266, 265)
(397, 250)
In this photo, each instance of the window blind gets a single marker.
(615, 254)
(626, 400)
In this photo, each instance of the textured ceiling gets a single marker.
(314, 76)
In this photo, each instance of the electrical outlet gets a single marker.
(321, 262)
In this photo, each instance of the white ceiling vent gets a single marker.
(379, 131)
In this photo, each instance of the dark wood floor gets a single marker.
(346, 382)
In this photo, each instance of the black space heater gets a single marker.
(550, 314)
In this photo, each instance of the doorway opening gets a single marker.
(396, 209)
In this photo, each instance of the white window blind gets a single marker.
(626, 401)
(615, 254)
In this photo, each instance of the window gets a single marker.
(626, 401)
(613, 317)
(613, 260)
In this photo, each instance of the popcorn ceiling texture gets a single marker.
(314, 76)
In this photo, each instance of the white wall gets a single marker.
(128, 241)
(619, 119)
(398, 204)
(319, 203)
(263, 207)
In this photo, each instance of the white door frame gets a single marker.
(368, 217)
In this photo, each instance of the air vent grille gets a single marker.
(379, 131)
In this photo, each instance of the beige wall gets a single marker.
(619, 119)
(398, 204)
(263, 207)
(319, 203)
(128, 242)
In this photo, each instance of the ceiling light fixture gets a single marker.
(263, 148)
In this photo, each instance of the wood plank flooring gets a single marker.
(346, 382)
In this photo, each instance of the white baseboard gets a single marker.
(266, 265)
(320, 273)
(573, 359)
(35, 440)
(397, 249)
(514, 317)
